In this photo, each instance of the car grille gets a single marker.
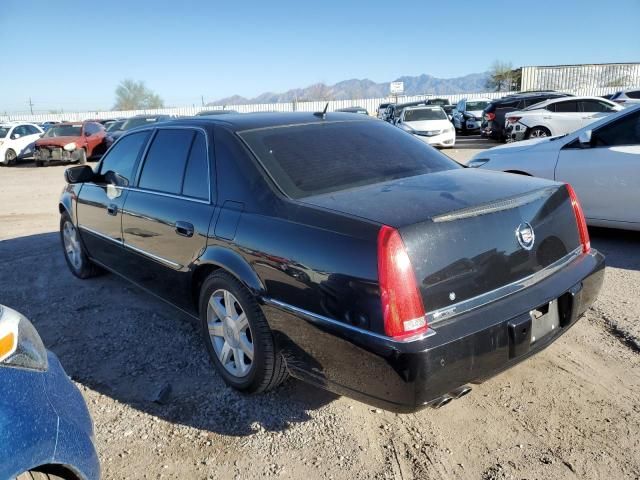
(428, 133)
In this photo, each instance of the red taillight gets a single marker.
(401, 303)
(580, 220)
(490, 116)
(513, 119)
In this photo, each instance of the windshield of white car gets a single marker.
(474, 106)
(4, 131)
(64, 131)
(424, 114)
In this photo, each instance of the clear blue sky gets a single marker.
(72, 54)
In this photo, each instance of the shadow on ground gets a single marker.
(124, 343)
(621, 247)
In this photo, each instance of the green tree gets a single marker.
(502, 77)
(132, 95)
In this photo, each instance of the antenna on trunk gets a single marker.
(323, 113)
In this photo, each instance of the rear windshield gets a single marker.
(307, 160)
(439, 101)
(64, 131)
(476, 105)
(424, 114)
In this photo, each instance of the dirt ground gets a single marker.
(161, 411)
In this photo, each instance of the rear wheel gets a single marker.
(10, 157)
(77, 260)
(238, 338)
(539, 132)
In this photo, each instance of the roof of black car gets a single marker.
(248, 121)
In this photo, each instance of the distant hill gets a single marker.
(365, 88)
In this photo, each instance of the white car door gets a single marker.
(593, 110)
(606, 175)
(566, 117)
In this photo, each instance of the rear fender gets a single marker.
(234, 263)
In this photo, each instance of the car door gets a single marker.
(566, 117)
(606, 175)
(167, 214)
(593, 110)
(20, 137)
(99, 204)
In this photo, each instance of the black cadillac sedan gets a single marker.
(335, 248)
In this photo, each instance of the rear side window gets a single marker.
(196, 175)
(306, 160)
(634, 94)
(165, 163)
(122, 157)
(566, 107)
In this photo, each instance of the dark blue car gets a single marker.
(45, 428)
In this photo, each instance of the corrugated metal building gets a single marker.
(580, 77)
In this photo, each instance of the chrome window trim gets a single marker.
(162, 194)
(321, 319)
(451, 311)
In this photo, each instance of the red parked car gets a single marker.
(72, 142)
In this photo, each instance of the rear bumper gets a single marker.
(471, 347)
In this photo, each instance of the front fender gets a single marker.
(234, 263)
(68, 200)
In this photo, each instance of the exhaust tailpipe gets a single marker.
(460, 391)
(441, 401)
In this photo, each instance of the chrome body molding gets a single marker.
(321, 319)
(162, 260)
(464, 306)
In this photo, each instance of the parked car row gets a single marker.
(601, 161)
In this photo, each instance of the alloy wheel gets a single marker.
(230, 333)
(10, 157)
(72, 245)
(537, 133)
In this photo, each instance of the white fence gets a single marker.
(371, 104)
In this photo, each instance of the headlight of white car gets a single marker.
(70, 147)
(477, 162)
(20, 344)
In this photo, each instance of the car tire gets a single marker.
(10, 157)
(35, 475)
(222, 295)
(538, 132)
(74, 252)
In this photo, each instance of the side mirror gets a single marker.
(113, 178)
(585, 138)
(15, 136)
(79, 174)
(450, 117)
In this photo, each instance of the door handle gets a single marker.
(184, 229)
(112, 209)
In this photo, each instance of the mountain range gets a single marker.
(365, 88)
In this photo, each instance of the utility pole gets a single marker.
(202, 99)
(30, 105)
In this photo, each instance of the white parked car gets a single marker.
(627, 97)
(16, 141)
(557, 116)
(430, 124)
(601, 161)
(467, 116)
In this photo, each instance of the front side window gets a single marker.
(31, 130)
(19, 131)
(306, 160)
(622, 131)
(164, 165)
(594, 106)
(122, 157)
